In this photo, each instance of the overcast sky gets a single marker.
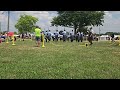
(111, 20)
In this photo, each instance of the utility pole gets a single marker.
(8, 21)
(0, 26)
(0, 23)
(99, 32)
(8, 26)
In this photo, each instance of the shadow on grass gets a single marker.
(36, 46)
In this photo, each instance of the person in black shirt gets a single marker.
(90, 37)
(112, 36)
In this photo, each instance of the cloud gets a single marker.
(44, 17)
(111, 24)
(3, 18)
(108, 14)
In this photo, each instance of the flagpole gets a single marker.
(0, 26)
(8, 21)
(99, 32)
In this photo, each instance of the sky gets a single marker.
(111, 21)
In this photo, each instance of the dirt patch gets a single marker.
(8, 61)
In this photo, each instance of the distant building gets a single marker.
(104, 37)
(107, 37)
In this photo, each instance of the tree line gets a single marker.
(78, 20)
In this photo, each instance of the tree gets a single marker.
(26, 23)
(78, 19)
(15, 32)
(110, 33)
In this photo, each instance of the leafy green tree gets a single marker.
(78, 19)
(26, 23)
(15, 32)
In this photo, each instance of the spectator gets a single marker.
(23, 36)
(112, 36)
(46, 36)
(64, 36)
(49, 36)
(72, 36)
(56, 35)
(81, 36)
(78, 37)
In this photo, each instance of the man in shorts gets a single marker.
(38, 35)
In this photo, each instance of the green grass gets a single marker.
(59, 60)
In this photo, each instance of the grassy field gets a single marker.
(59, 60)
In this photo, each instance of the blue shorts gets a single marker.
(37, 38)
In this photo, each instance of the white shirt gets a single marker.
(92, 31)
(72, 33)
(64, 32)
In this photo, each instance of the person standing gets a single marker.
(90, 37)
(56, 35)
(81, 36)
(46, 36)
(23, 36)
(78, 37)
(72, 36)
(38, 35)
(112, 36)
(53, 36)
(64, 36)
(49, 35)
